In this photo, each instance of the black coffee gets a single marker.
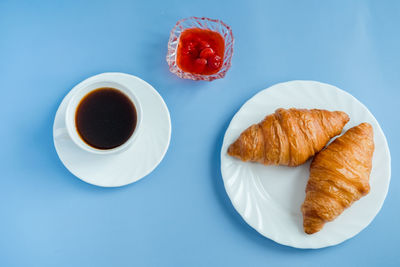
(105, 118)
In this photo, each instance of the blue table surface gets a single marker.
(179, 215)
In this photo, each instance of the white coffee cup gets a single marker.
(83, 89)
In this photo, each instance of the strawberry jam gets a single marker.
(200, 51)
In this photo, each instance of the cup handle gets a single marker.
(61, 133)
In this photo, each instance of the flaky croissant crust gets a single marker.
(288, 137)
(339, 176)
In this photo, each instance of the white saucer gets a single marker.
(269, 197)
(132, 164)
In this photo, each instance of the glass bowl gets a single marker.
(202, 23)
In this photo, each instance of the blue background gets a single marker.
(180, 214)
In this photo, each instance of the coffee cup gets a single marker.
(99, 128)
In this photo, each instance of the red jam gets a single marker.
(200, 51)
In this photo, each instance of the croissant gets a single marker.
(339, 176)
(288, 137)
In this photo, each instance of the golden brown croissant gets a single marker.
(289, 136)
(339, 176)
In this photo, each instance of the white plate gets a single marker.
(132, 164)
(269, 197)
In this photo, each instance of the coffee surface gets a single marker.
(105, 118)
